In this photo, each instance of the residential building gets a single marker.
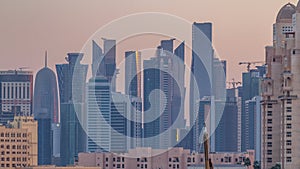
(19, 143)
(280, 92)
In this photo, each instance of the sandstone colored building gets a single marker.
(281, 92)
(175, 158)
(18, 143)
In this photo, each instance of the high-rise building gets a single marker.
(71, 82)
(104, 61)
(45, 111)
(19, 143)
(280, 92)
(16, 91)
(164, 72)
(99, 114)
(227, 130)
(133, 74)
(136, 130)
(120, 125)
(151, 103)
(251, 88)
(201, 69)
(253, 116)
(110, 127)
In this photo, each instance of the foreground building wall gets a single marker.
(150, 158)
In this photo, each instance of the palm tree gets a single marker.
(247, 162)
(256, 165)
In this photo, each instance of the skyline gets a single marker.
(37, 28)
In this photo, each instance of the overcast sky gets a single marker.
(241, 29)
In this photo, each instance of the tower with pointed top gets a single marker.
(45, 111)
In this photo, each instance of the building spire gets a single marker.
(46, 58)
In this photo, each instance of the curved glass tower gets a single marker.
(45, 111)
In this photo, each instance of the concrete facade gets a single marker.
(18, 143)
(280, 91)
(178, 158)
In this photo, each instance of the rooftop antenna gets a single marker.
(46, 58)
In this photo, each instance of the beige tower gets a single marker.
(18, 143)
(291, 154)
(277, 92)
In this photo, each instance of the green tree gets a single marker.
(277, 166)
(247, 162)
(256, 165)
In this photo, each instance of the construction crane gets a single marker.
(234, 83)
(249, 64)
(23, 68)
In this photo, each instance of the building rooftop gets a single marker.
(286, 12)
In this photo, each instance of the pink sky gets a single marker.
(241, 29)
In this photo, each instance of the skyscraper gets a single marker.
(133, 74)
(164, 72)
(253, 113)
(201, 69)
(280, 92)
(45, 111)
(99, 114)
(71, 81)
(133, 89)
(16, 91)
(104, 61)
(151, 103)
(250, 89)
(227, 130)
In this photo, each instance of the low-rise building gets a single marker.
(174, 158)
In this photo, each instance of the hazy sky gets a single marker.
(241, 29)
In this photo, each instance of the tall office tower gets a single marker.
(179, 89)
(99, 114)
(251, 88)
(160, 73)
(121, 127)
(200, 84)
(203, 117)
(45, 110)
(108, 127)
(71, 81)
(21, 143)
(227, 130)
(133, 88)
(133, 74)
(135, 122)
(16, 91)
(104, 62)
(253, 113)
(280, 92)
(151, 103)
